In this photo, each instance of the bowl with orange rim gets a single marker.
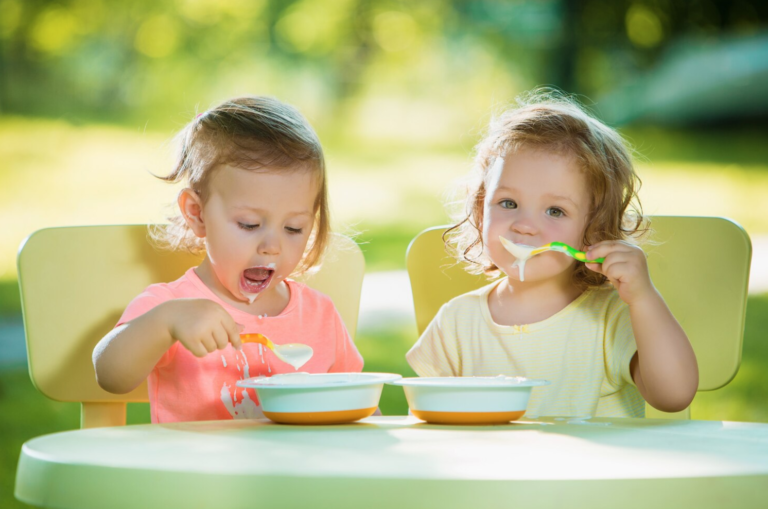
(319, 398)
(468, 400)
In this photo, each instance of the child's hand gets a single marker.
(201, 325)
(625, 267)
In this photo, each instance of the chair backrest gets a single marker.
(75, 283)
(700, 265)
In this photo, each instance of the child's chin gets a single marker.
(514, 275)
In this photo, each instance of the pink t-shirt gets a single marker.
(183, 387)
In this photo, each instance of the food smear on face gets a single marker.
(521, 252)
(255, 279)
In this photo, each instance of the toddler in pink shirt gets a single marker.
(256, 205)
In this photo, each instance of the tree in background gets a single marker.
(93, 59)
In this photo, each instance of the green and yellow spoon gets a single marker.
(522, 252)
(561, 247)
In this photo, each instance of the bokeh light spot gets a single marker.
(394, 30)
(312, 27)
(643, 26)
(297, 30)
(10, 15)
(157, 37)
(54, 30)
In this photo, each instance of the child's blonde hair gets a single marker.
(252, 133)
(546, 119)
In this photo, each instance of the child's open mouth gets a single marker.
(255, 279)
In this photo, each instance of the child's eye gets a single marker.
(293, 230)
(555, 212)
(508, 204)
(248, 227)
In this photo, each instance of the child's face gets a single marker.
(533, 198)
(256, 227)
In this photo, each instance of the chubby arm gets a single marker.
(127, 354)
(664, 368)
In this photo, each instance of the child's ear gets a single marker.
(191, 207)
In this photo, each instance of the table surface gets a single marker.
(401, 462)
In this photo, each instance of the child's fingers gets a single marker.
(197, 348)
(594, 267)
(221, 337)
(607, 247)
(598, 251)
(209, 342)
(607, 268)
(617, 257)
(233, 330)
(618, 272)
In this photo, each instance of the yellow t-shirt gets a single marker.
(584, 350)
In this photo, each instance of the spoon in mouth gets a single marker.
(522, 253)
(295, 354)
(564, 248)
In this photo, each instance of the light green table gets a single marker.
(398, 462)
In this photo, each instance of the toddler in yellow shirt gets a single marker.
(547, 171)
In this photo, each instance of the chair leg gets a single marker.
(99, 415)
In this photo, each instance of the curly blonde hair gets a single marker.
(546, 119)
(252, 133)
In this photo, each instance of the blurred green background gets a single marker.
(91, 93)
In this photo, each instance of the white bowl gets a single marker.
(468, 400)
(319, 398)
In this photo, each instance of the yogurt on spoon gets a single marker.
(295, 354)
(521, 252)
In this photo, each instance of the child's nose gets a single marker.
(524, 226)
(269, 245)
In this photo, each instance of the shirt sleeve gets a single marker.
(436, 352)
(151, 297)
(619, 344)
(348, 358)
(145, 301)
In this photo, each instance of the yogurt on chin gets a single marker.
(521, 252)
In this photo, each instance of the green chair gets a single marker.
(76, 281)
(699, 264)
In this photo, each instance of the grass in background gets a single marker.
(10, 300)
(385, 250)
(384, 351)
(744, 147)
(744, 399)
